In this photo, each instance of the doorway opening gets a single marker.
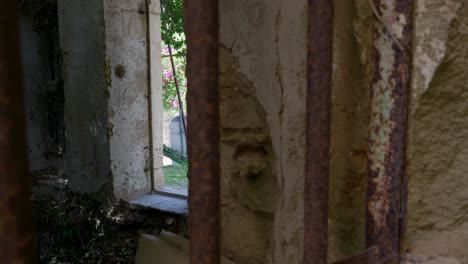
(174, 88)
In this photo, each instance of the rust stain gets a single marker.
(16, 227)
(319, 78)
(201, 27)
(388, 121)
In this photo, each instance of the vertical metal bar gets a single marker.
(389, 96)
(16, 227)
(201, 27)
(319, 78)
(179, 98)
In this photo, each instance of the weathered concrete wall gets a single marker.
(82, 39)
(263, 117)
(128, 86)
(43, 83)
(262, 110)
(438, 132)
(106, 60)
(263, 79)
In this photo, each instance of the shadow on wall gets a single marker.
(43, 83)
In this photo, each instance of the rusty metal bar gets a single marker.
(387, 134)
(201, 28)
(16, 227)
(369, 256)
(318, 100)
(176, 82)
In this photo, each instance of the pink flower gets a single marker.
(175, 102)
(165, 50)
(168, 74)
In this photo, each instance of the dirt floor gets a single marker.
(77, 229)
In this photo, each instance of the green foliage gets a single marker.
(172, 25)
(175, 175)
(170, 100)
(172, 33)
(173, 154)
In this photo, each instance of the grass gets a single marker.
(176, 175)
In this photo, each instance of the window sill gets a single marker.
(165, 200)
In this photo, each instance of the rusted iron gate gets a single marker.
(16, 227)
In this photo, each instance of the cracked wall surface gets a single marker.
(249, 188)
(263, 81)
(259, 38)
(263, 78)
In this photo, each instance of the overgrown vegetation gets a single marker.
(173, 37)
(172, 24)
(171, 102)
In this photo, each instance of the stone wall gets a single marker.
(438, 133)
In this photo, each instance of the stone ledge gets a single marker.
(164, 202)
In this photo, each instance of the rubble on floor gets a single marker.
(75, 228)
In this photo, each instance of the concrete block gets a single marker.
(155, 250)
(168, 248)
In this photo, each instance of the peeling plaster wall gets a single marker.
(263, 82)
(438, 132)
(263, 114)
(263, 117)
